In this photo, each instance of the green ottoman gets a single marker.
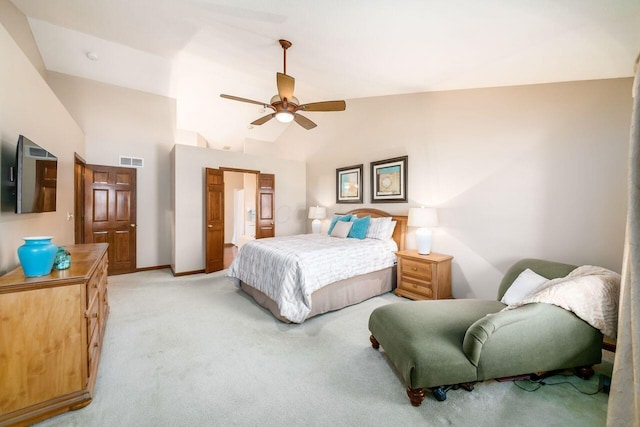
(423, 340)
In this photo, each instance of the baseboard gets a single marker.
(157, 267)
(186, 273)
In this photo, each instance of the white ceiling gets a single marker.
(194, 50)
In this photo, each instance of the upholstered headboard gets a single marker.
(399, 233)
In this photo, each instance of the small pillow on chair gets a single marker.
(341, 229)
(523, 286)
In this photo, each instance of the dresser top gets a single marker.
(83, 262)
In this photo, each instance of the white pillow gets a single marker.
(341, 229)
(378, 228)
(390, 228)
(524, 285)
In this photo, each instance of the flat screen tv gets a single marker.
(37, 176)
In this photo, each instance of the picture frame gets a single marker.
(389, 182)
(349, 184)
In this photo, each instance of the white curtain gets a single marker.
(624, 397)
(238, 215)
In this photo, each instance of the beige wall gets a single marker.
(29, 107)
(530, 171)
(188, 193)
(125, 122)
(17, 25)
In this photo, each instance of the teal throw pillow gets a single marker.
(359, 227)
(336, 218)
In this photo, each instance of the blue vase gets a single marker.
(37, 255)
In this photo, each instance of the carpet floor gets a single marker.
(196, 351)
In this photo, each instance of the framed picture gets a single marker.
(389, 180)
(349, 184)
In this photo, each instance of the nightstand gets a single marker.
(423, 276)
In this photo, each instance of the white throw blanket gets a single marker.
(591, 293)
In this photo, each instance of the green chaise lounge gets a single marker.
(439, 344)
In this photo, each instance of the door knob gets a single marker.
(210, 226)
(132, 225)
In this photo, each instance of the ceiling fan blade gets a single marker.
(324, 106)
(304, 122)
(237, 98)
(263, 120)
(285, 86)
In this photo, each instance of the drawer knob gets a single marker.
(414, 268)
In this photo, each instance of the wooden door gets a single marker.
(265, 221)
(214, 221)
(46, 177)
(110, 214)
(78, 187)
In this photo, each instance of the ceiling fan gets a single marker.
(285, 106)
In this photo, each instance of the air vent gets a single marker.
(39, 153)
(132, 162)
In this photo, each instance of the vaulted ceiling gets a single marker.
(194, 50)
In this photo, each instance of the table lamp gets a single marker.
(425, 219)
(316, 213)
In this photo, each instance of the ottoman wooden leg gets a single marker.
(584, 372)
(374, 342)
(467, 386)
(416, 395)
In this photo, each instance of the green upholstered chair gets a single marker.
(448, 343)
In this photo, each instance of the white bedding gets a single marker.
(289, 269)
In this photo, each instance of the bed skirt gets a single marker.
(336, 295)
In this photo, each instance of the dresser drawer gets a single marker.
(92, 316)
(93, 354)
(422, 270)
(416, 286)
(93, 286)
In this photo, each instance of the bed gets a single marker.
(285, 275)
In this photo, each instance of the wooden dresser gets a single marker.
(423, 276)
(51, 332)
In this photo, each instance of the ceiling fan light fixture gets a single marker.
(284, 105)
(284, 116)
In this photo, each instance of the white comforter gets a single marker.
(590, 292)
(289, 269)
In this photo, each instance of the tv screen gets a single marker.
(37, 176)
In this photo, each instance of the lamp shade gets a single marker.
(423, 217)
(317, 212)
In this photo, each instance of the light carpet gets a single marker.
(196, 351)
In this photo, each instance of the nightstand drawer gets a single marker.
(416, 269)
(416, 286)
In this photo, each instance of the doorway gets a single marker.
(236, 213)
(239, 208)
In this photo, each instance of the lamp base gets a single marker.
(423, 240)
(315, 226)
